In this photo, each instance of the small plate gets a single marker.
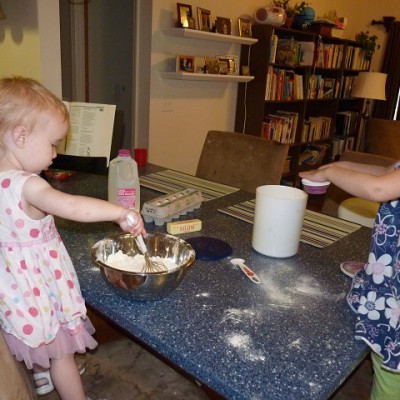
(351, 268)
(208, 248)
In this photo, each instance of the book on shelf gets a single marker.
(280, 127)
(347, 86)
(288, 51)
(90, 130)
(329, 55)
(306, 53)
(313, 154)
(273, 47)
(283, 85)
(346, 123)
(340, 144)
(316, 128)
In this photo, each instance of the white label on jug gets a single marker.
(126, 197)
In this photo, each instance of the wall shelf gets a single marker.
(189, 76)
(216, 37)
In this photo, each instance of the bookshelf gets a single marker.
(300, 95)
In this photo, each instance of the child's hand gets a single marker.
(316, 175)
(137, 227)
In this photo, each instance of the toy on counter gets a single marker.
(165, 208)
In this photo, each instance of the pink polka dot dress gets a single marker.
(42, 313)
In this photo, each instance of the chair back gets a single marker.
(240, 160)
(382, 137)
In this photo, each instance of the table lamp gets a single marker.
(369, 86)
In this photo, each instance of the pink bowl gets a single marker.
(315, 187)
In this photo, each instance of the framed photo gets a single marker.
(228, 65)
(184, 13)
(223, 25)
(185, 63)
(192, 23)
(204, 20)
(211, 65)
(223, 66)
(245, 27)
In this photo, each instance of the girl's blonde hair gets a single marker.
(22, 100)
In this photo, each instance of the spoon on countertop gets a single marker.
(246, 270)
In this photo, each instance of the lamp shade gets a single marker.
(370, 85)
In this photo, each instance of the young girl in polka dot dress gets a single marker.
(375, 291)
(42, 312)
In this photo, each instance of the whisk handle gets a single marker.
(141, 244)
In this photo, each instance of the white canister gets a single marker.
(278, 220)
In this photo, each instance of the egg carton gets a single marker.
(171, 206)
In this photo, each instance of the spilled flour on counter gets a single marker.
(244, 345)
(241, 341)
(285, 287)
(123, 262)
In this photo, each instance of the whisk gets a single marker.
(149, 264)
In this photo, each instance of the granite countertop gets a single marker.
(291, 337)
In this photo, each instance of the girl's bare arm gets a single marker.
(40, 199)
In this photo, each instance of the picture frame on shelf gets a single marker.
(245, 27)
(212, 65)
(184, 13)
(192, 23)
(223, 25)
(223, 66)
(232, 64)
(204, 19)
(185, 63)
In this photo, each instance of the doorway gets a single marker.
(97, 51)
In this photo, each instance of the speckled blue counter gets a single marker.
(291, 337)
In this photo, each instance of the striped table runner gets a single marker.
(169, 181)
(319, 230)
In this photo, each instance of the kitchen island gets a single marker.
(290, 337)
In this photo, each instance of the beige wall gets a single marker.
(182, 112)
(30, 41)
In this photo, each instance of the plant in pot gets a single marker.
(290, 10)
(368, 44)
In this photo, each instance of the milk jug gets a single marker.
(123, 181)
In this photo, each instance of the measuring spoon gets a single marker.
(246, 270)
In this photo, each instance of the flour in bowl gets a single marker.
(123, 262)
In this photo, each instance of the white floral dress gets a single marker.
(39, 289)
(375, 291)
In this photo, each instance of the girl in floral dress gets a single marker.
(375, 291)
(42, 313)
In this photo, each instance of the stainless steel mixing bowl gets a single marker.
(144, 286)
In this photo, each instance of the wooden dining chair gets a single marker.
(240, 160)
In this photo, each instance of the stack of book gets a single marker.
(280, 127)
(283, 85)
(287, 51)
(316, 128)
(320, 87)
(330, 55)
(355, 59)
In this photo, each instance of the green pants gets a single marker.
(386, 384)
